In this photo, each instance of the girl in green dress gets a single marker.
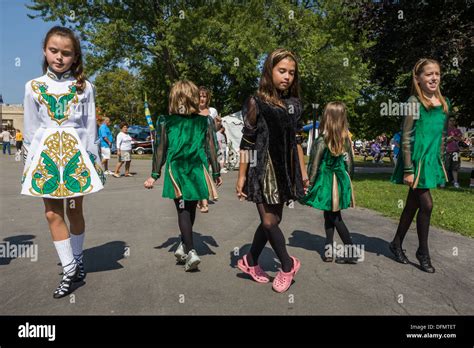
(186, 143)
(421, 164)
(330, 169)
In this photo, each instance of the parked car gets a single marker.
(141, 147)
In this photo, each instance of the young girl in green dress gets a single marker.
(421, 164)
(186, 143)
(330, 169)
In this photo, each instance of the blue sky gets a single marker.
(20, 44)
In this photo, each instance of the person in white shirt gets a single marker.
(222, 141)
(124, 150)
(6, 138)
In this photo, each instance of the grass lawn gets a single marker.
(452, 209)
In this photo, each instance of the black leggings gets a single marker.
(269, 230)
(186, 216)
(333, 219)
(418, 200)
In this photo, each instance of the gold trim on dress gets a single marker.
(444, 171)
(270, 185)
(353, 203)
(415, 184)
(177, 190)
(211, 187)
(335, 194)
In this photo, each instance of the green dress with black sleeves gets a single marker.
(330, 177)
(423, 144)
(186, 144)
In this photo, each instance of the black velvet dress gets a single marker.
(271, 134)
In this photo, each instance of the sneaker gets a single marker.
(282, 281)
(180, 254)
(224, 171)
(192, 261)
(456, 185)
(442, 186)
(328, 255)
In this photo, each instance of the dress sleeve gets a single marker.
(444, 134)
(349, 157)
(160, 147)
(31, 117)
(408, 133)
(91, 125)
(299, 122)
(316, 155)
(211, 147)
(249, 114)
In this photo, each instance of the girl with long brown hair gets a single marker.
(330, 169)
(61, 147)
(272, 145)
(421, 163)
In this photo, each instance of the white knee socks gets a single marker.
(64, 249)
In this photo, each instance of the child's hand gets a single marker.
(218, 181)
(239, 187)
(408, 179)
(149, 183)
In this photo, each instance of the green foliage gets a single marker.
(120, 96)
(452, 208)
(219, 44)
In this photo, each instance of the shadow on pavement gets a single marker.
(19, 242)
(309, 241)
(104, 257)
(268, 259)
(201, 244)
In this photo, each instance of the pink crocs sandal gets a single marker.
(256, 272)
(283, 280)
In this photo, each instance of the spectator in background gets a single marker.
(222, 142)
(395, 143)
(19, 140)
(6, 139)
(124, 150)
(204, 109)
(453, 157)
(105, 136)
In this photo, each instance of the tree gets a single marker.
(404, 31)
(120, 96)
(219, 44)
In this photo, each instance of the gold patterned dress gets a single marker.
(60, 139)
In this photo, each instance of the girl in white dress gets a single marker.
(61, 148)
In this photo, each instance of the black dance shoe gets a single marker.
(398, 252)
(64, 288)
(425, 262)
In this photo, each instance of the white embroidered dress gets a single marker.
(60, 139)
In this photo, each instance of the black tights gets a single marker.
(269, 230)
(333, 219)
(186, 216)
(418, 200)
